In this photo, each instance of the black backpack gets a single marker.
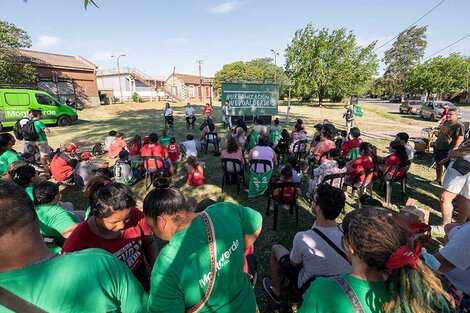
(17, 130)
(29, 132)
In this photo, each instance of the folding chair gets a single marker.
(282, 201)
(152, 169)
(233, 170)
(211, 138)
(389, 179)
(299, 149)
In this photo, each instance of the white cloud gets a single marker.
(225, 7)
(45, 41)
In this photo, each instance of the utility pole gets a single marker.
(275, 65)
(199, 62)
(119, 72)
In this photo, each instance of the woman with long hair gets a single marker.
(398, 156)
(134, 146)
(334, 164)
(168, 113)
(7, 154)
(387, 274)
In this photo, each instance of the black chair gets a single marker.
(367, 184)
(153, 171)
(282, 151)
(389, 179)
(282, 201)
(211, 138)
(299, 149)
(267, 165)
(169, 120)
(233, 172)
(316, 163)
(330, 179)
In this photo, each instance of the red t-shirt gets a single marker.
(393, 160)
(128, 248)
(134, 149)
(207, 110)
(173, 152)
(62, 166)
(196, 177)
(153, 149)
(115, 147)
(360, 164)
(350, 144)
(289, 193)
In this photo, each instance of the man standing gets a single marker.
(41, 142)
(450, 137)
(190, 117)
(30, 273)
(348, 116)
(315, 252)
(27, 146)
(227, 119)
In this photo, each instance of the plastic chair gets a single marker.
(299, 149)
(267, 165)
(330, 179)
(169, 120)
(238, 173)
(152, 169)
(389, 179)
(211, 138)
(315, 163)
(282, 201)
(282, 151)
(367, 183)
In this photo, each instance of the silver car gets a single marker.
(433, 109)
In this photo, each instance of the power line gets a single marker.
(455, 42)
(411, 24)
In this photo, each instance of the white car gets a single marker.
(433, 109)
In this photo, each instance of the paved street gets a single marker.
(393, 107)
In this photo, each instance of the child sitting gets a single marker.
(134, 147)
(86, 169)
(189, 147)
(108, 140)
(125, 171)
(173, 150)
(165, 139)
(195, 171)
(289, 192)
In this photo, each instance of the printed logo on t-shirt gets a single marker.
(224, 260)
(130, 253)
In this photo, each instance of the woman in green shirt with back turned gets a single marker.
(387, 274)
(7, 155)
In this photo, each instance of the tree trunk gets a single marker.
(320, 97)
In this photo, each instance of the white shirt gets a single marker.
(168, 111)
(189, 112)
(409, 151)
(226, 110)
(191, 149)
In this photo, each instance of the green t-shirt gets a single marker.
(180, 275)
(39, 127)
(91, 280)
(326, 296)
(29, 191)
(53, 220)
(165, 141)
(6, 159)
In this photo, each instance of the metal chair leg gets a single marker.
(388, 191)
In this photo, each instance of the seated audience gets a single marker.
(173, 150)
(134, 147)
(125, 171)
(64, 163)
(86, 169)
(295, 167)
(283, 144)
(262, 151)
(117, 226)
(24, 175)
(108, 140)
(116, 146)
(297, 134)
(403, 139)
(311, 256)
(189, 147)
(349, 145)
(195, 171)
(209, 135)
(387, 274)
(154, 149)
(289, 192)
(334, 164)
(364, 162)
(398, 157)
(232, 151)
(55, 222)
(173, 287)
(259, 127)
(326, 144)
(7, 154)
(32, 273)
(276, 127)
(165, 139)
(299, 124)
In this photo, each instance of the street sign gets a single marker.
(251, 99)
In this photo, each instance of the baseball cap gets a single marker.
(71, 147)
(123, 154)
(85, 155)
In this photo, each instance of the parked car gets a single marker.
(411, 106)
(384, 97)
(433, 109)
(395, 99)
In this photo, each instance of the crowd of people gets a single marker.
(371, 262)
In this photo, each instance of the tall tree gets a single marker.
(12, 68)
(406, 52)
(328, 64)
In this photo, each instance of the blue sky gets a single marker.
(156, 35)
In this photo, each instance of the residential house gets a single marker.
(185, 87)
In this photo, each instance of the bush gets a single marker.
(336, 98)
(137, 98)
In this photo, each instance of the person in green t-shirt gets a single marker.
(165, 139)
(182, 272)
(55, 222)
(7, 156)
(24, 175)
(41, 142)
(387, 274)
(87, 281)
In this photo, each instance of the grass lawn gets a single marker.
(378, 125)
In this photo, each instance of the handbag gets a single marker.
(462, 166)
(213, 256)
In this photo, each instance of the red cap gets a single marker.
(71, 147)
(85, 155)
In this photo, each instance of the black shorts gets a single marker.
(440, 154)
(290, 271)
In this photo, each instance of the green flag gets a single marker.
(259, 183)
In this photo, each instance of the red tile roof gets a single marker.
(58, 60)
(192, 79)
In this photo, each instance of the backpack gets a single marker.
(97, 149)
(17, 130)
(29, 132)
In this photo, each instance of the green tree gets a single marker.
(378, 87)
(406, 52)
(255, 70)
(12, 67)
(440, 75)
(328, 64)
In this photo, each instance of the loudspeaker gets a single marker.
(265, 119)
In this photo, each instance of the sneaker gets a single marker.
(268, 287)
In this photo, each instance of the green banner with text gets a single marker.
(251, 99)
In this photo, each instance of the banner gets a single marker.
(251, 99)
